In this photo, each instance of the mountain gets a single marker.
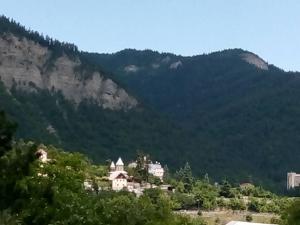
(58, 97)
(241, 114)
(229, 113)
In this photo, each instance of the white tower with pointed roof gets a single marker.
(117, 175)
(119, 165)
(112, 166)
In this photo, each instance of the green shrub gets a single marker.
(249, 218)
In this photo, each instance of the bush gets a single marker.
(249, 218)
(254, 205)
(221, 202)
(217, 220)
(237, 204)
(185, 201)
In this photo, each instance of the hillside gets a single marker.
(241, 113)
(216, 111)
(44, 185)
(56, 96)
(55, 191)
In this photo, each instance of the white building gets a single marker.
(156, 170)
(118, 176)
(87, 185)
(293, 180)
(135, 188)
(112, 166)
(42, 155)
(119, 182)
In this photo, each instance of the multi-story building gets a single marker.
(156, 170)
(293, 180)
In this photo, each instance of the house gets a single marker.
(246, 185)
(167, 188)
(87, 184)
(117, 175)
(293, 180)
(156, 170)
(135, 188)
(119, 182)
(246, 223)
(153, 168)
(42, 155)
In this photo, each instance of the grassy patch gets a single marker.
(225, 216)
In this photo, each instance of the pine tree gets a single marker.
(185, 175)
(226, 189)
(7, 130)
(166, 177)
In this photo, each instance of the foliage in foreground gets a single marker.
(33, 192)
(38, 193)
(193, 193)
(292, 215)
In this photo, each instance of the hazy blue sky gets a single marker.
(270, 28)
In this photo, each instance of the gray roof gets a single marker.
(119, 162)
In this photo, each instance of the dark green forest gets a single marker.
(242, 121)
(53, 192)
(223, 115)
(39, 193)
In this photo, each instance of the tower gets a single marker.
(112, 166)
(119, 165)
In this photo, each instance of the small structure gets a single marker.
(87, 185)
(167, 188)
(134, 187)
(156, 170)
(246, 223)
(293, 180)
(112, 166)
(42, 155)
(119, 165)
(118, 176)
(246, 185)
(132, 165)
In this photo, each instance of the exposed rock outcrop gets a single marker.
(24, 65)
(176, 65)
(255, 60)
(131, 69)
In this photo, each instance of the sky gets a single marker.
(269, 28)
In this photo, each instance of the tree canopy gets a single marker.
(7, 130)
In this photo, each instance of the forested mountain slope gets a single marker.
(241, 113)
(58, 97)
(229, 113)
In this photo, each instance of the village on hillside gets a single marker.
(143, 174)
(140, 175)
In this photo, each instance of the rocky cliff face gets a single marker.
(24, 65)
(255, 60)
